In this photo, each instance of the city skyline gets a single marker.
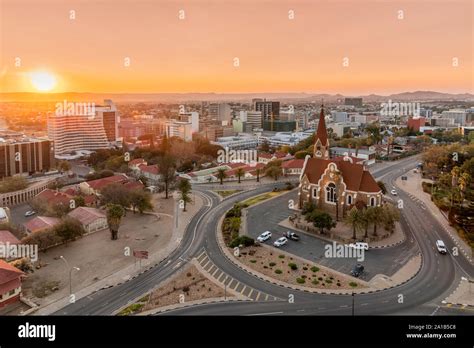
(197, 53)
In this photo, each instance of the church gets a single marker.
(334, 185)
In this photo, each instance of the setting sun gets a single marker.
(43, 81)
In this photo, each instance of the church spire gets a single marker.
(321, 143)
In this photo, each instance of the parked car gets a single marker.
(441, 247)
(30, 213)
(359, 245)
(357, 270)
(393, 192)
(292, 236)
(280, 242)
(264, 236)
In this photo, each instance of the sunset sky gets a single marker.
(276, 54)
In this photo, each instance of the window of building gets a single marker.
(331, 193)
(315, 192)
(349, 200)
(372, 201)
(11, 292)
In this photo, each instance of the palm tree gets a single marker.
(240, 172)
(382, 186)
(391, 215)
(376, 217)
(184, 188)
(365, 221)
(115, 212)
(257, 171)
(221, 175)
(354, 219)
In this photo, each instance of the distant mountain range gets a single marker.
(194, 97)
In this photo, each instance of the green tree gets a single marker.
(239, 172)
(354, 219)
(391, 215)
(63, 166)
(115, 194)
(376, 217)
(274, 172)
(184, 187)
(265, 146)
(140, 200)
(382, 186)
(79, 201)
(115, 213)
(221, 175)
(321, 220)
(167, 165)
(69, 229)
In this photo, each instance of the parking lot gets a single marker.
(268, 215)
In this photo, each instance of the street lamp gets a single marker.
(353, 303)
(70, 272)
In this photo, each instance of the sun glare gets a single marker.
(43, 81)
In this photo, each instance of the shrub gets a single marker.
(293, 266)
(281, 256)
(253, 261)
(353, 284)
(320, 278)
(242, 240)
(300, 280)
(304, 276)
(278, 271)
(315, 282)
(329, 281)
(271, 264)
(305, 268)
(186, 289)
(314, 269)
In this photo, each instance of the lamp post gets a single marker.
(70, 272)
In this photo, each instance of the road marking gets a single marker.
(300, 310)
(269, 313)
(266, 297)
(215, 271)
(364, 304)
(344, 306)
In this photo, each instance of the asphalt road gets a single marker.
(421, 295)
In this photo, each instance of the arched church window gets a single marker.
(372, 201)
(331, 193)
(349, 199)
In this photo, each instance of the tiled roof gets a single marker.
(101, 183)
(152, 169)
(136, 161)
(86, 215)
(354, 175)
(8, 237)
(54, 197)
(40, 223)
(295, 163)
(9, 277)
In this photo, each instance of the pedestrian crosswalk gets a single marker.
(230, 283)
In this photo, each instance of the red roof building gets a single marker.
(10, 283)
(94, 186)
(40, 223)
(292, 167)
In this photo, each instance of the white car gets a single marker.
(280, 241)
(264, 236)
(30, 213)
(393, 192)
(359, 245)
(441, 247)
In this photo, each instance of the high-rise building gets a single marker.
(76, 132)
(25, 156)
(270, 110)
(255, 119)
(191, 117)
(220, 112)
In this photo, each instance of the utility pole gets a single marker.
(353, 303)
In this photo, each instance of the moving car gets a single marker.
(357, 270)
(280, 241)
(30, 213)
(264, 236)
(359, 245)
(292, 236)
(441, 247)
(393, 192)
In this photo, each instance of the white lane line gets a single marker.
(269, 313)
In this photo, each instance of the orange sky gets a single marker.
(276, 54)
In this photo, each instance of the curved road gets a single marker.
(439, 274)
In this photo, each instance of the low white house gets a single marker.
(91, 219)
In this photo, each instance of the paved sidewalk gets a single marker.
(463, 295)
(131, 271)
(413, 188)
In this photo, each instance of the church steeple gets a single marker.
(321, 142)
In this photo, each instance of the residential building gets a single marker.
(40, 223)
(292, 167)
(221, 112)
(365, 154)
(355, 102)
(416, 122)
(93, 187)
(10, 283)
(90, 218)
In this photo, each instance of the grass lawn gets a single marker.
(227, 193)
(262, 197)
